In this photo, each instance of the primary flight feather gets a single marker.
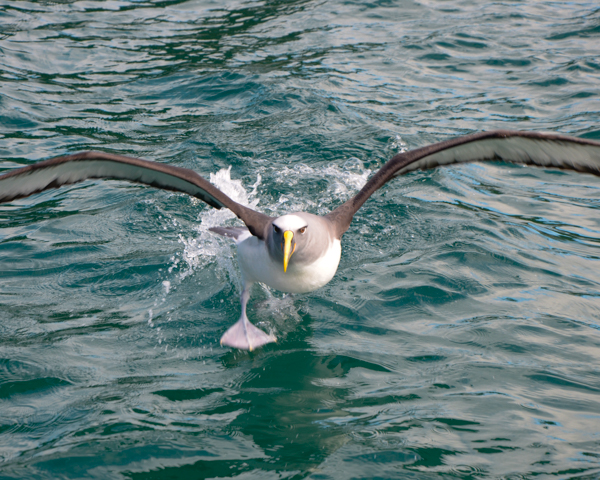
(298, 252)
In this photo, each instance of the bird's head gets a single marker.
(297, 238)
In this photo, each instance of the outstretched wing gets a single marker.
(69, 169)
(529, 148)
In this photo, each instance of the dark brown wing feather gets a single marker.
(529, 148)
(69, 169)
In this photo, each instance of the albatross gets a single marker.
(298, 252)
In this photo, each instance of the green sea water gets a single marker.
(460, 337)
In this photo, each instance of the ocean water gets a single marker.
(460, 337)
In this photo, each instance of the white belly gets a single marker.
(257, 266)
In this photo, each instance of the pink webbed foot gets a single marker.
(245, 336)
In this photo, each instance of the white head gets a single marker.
(290, 222)
(305, 236)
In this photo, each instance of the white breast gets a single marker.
(257, 266)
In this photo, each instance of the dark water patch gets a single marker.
(593, 135)
(421, 294)
(581, 32)
(551, 82)
(427, 358)
(456, 423)
(435, 57)
(30, 387)
(509, 62)
(442, 386)
(562, 382)
(184, 395)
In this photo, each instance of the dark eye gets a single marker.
(276, 229)
(302, 230)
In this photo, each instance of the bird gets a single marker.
(299, 252)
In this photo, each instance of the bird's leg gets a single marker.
(243, 334)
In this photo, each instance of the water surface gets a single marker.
(460, 337)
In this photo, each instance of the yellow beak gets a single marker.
(287, 248)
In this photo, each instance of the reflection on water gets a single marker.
(460, 336)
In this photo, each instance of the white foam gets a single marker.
(399, 144)
(206, 246)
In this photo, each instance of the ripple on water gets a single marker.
(460, 335)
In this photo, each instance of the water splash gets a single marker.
(206, 246)
(399, 144)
